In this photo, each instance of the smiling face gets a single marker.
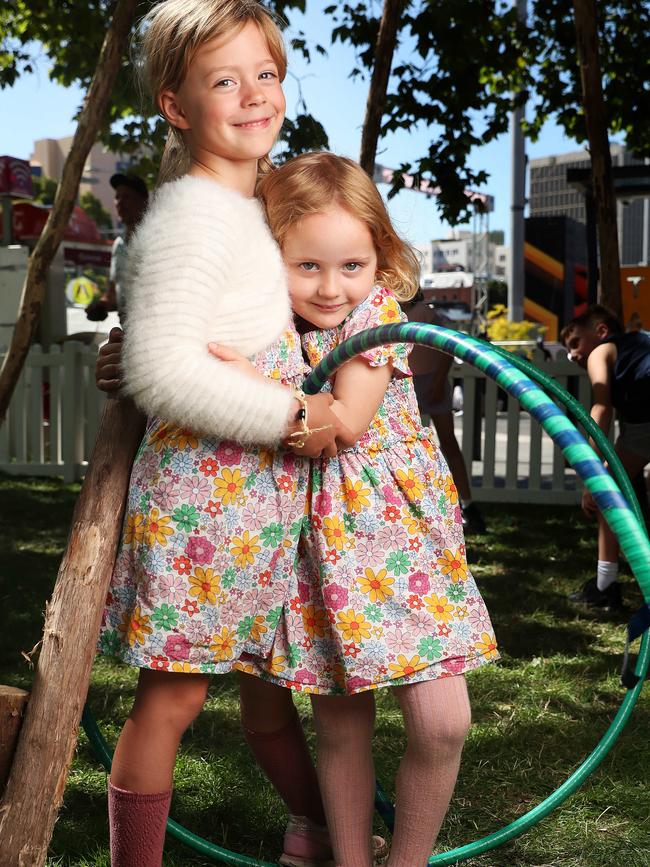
(230, 105)
(331, 263)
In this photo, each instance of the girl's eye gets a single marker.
(352, 266)
(268, 75)
(308, 266)
(224, 82)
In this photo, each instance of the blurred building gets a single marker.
(463, 251)
(49, 155)
(551, 196)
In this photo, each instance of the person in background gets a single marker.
(433, 389)
(131, 199)
(618, 364)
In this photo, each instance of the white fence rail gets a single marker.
(54, 414)
(508, 455)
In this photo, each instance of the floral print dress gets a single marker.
(208, 544)
(383, 594)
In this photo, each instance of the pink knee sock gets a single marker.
(344, 726)
(436, 718)
(137, 827)
(284, 757)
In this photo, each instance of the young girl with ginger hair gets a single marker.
(207, 552)
(383, 596)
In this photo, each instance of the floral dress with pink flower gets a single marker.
(208, 544)
(383, 594)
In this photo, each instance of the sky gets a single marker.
(38, 108)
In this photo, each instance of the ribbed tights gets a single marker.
(436, 718)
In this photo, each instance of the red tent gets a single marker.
(29, 219)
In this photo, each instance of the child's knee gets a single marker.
(173, 711)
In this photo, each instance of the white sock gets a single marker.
(606, 574)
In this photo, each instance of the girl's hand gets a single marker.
(231, 356)
(108, 373)
(319, 414)
(589, 506)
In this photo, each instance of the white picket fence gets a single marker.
(54, 415)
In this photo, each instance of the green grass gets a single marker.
(537, 714)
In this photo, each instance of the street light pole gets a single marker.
(516, 271)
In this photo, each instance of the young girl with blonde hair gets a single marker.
(208, 550)
(383, 596)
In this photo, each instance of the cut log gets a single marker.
(12, 707)
(48, 736)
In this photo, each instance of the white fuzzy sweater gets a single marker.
(204, 267)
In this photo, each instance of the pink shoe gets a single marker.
(306, 844)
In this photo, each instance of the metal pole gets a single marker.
(5, 201)
(516, 269)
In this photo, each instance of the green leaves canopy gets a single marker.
(457, 64)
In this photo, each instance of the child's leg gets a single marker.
(608, 548)
(436, 718)
(142, 770)
(275, 736)
(344, 727)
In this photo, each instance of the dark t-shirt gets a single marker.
(631, 384)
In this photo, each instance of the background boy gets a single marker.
(618, 365)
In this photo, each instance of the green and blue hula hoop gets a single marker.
(621, 511)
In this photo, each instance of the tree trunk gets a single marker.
(12, 707)
(92, 114)
(384, 51)
(601, 161)
(47, 740)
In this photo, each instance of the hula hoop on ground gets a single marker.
(624, 520)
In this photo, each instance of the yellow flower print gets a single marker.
(334, 533)
(156, 529)
(413, 525)
(451, 491)
(258, 628)
(181, 438)
(377, 586)
(487, 645)
(223, 643)
(265, 458)
(411, 486)
(228, 486)
(134, 528)
(353, 626)
(389, 312)
(276, 665)
(184, 668)
(244, 548)
(440, 607)
(314, 620)
(173, 436)
(404, 667)
(205, 585)
(355, 495)
(454, 565)
(461, 612)
(135, 626)
(246, 667)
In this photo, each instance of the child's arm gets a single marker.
(600, 365)
(358, 392)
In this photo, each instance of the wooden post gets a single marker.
(47, 740)
(12, 707)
